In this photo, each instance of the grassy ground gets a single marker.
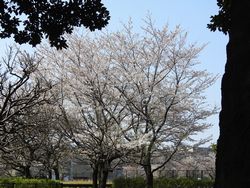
(77, 182)
(81, 182)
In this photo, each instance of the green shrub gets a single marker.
(29, 183)
(139, 182)
(122, 182)
(165, 183)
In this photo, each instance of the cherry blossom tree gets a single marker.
(95, 118)
(156, 75)
(125, 93)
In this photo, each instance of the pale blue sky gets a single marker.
(193, 16)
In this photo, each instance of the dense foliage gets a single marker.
(222, 20)
(31, 20)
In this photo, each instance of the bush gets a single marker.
(122, 182)
(28, 183)
(139, 182)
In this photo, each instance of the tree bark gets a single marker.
(103, 180)
(95, 176)
(149, 176)
(233, 152)
(103, 174)
(56, 171)
(27, 173)
(50, 174)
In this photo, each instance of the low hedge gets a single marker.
(139, 182)
(28, 183)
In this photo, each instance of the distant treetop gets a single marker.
(28, 21)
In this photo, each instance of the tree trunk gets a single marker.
(103, 180)
(233, 152)
(27, 173)
(103, 174)
(56, 171)
(50, 174)
(149, 176)
(95, 176)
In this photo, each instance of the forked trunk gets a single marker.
(233, 152)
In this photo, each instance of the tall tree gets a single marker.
(94, 114)
(157, 78)
(146, 83)
(31, 20)
(233, 149)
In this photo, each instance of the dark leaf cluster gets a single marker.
(222, 20)
(31, 20)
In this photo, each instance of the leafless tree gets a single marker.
(24, 150)
(56, 147)
(19, 91)
(40, 146)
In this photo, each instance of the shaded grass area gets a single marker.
(140, 182)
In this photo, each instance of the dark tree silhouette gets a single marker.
(233, 149)
(31, 20)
